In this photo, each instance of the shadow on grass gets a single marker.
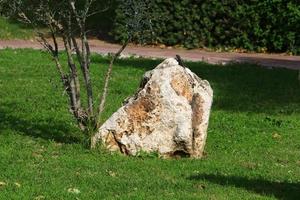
(237, 88)
(241, 87)
(48, 129)
(280, 190)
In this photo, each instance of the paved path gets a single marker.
(269, 60)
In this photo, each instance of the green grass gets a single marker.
(253, 146)
(14, 30)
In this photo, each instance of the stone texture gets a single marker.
(169, 115)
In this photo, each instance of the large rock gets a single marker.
(169, 115)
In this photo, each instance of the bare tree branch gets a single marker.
(106, 83)
(85, 51)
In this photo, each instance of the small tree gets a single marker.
(67, 19)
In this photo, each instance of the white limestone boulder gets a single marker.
(169, 115)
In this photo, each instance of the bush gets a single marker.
(272, 25)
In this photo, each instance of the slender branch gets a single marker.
(95, 13)
(85, 52)
(88, 51)
(52, 51)
(71, 82)
(86, 74)
(106, 83)
(77, 17)
(45, 44)
(55, 44)
(74, 81)
(78, 52)
(88, 5)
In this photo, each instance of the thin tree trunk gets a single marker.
(85, 53)
(86, 74)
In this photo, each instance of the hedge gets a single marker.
(256, 25)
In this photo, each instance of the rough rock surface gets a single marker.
(169, 115)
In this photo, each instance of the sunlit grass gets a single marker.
(253, 148)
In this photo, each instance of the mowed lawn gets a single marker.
(252, 151)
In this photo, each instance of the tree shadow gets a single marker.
(292, 63)
(250, 88)
(240, 87)
(237, 88)
(48, 129)
(281, 190)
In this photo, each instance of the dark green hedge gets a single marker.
(272, 25)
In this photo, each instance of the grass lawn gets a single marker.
(253, 145)
(14, 30)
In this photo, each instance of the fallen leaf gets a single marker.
(249, 165)
(58, 144)
(276, 136)
(2, 183)
(200, 186)
(40, 197)
(111, 173)
(17, 184)
(37, 155)
(73, 190)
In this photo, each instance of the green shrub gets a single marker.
(253, 25)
